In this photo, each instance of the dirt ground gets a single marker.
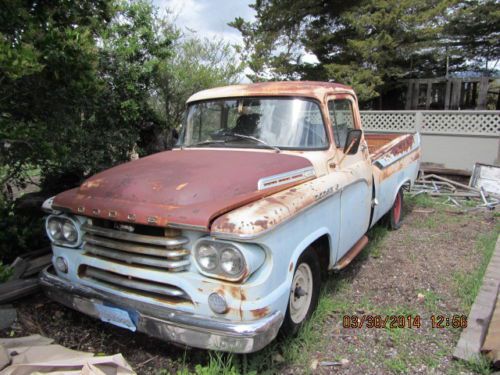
(421, 270)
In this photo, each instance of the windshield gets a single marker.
(255, 122)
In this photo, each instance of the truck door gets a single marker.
(355, 172)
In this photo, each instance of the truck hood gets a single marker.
(183, 187)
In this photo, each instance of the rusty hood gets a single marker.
(183, 187)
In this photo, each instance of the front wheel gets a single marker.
(304, 293)
(396, 212)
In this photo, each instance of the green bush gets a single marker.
(20, 232)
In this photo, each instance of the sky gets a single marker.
(209, 18)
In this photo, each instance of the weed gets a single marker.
(431, 300)
(478, 365)
(396, 365)
(219, 364)
(468, 284)
(374, 247)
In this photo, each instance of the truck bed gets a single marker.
(388, 148)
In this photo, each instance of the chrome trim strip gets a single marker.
(134, 248)
(96, 274)
(141, 238)
(285, 178)
(135, 259)
(199, 331)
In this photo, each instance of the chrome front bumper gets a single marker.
(165, 323)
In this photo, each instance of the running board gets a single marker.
(351, 254)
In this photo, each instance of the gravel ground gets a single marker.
(413, 271)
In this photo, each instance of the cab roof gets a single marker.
(311, 89)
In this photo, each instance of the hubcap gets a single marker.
(301, 293)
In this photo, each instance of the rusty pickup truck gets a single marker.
(222, 242)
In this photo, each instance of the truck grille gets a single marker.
(152, 251)
(147, 288)
(152, 248)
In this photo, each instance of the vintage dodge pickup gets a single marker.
(223, 241)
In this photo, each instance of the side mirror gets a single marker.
(352, 141)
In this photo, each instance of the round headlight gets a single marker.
(69, 231)
(231, 261)
(54, 227)
(207, 257)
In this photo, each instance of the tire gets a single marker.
(395, 216)
(300, 307)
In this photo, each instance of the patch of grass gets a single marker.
(479, 365)
(431, 300)
(374, 247)
(421, 200)
(468, 284)
(396, 365)
(219, 364)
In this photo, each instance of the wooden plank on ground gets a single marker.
(491, 346)
(14, 289)
(472, 338)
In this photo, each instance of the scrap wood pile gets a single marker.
(466, 197)
(24, 277)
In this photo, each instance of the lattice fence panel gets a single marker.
(462, 123)
(480, 123)
(388, 121)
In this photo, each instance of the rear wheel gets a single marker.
(304, 293)
(395, 217)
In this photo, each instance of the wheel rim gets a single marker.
(301, 293)
(397, 208)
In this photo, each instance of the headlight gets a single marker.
(63, 230)
(207, 257)
(54, 229)
(70, 233)
(231, 261)
(226, 260)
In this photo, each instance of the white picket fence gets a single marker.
(450, 139)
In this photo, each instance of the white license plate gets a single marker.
(116, 316)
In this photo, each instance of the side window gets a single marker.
(342, 119)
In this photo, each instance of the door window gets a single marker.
(342, 119)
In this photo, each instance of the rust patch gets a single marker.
(260, 313)
(290, 269)
(261, 223)
(92, 183)
(314, 89)
(400, 164)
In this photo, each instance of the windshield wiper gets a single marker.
(208, 142)
(255, 140)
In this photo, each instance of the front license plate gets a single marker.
(116, 316)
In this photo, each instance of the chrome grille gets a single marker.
(129, 284)
(145, 250)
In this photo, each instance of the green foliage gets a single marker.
(19, 232)
(5, 272)
(197, 64)
(369, 44)
(83, 85)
